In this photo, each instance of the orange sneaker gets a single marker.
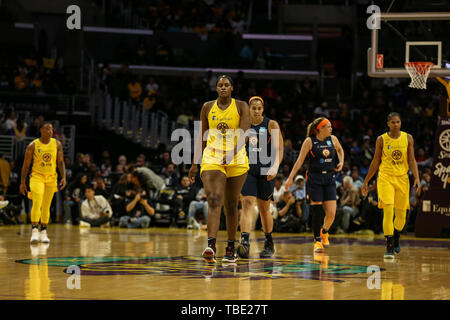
(318, 247)
(324, 237)
(322, 259)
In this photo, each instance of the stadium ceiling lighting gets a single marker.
(289, 37)
(262, 72)
(21, 25)
(117, 30)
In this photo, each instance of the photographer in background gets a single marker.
(301, 207)
(95, 210)
(137, 208)
(287, 220)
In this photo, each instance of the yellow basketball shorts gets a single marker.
(237, 167)
(393, 190)
(229, 170)
(38, 183)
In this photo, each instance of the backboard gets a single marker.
(402, 37)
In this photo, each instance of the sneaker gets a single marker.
(243, 249)
(34, 236)
(318, 247)
(194, 223)
(84, 224)
(43, 247)
(230, 255)
(324, 237)
(209, 254)
(43, 237)
(322, 259)
(396, 241)
(268, 250)
(3, 204)
(389, 254)
(34, 250)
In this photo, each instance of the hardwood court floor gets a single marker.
(165, 263)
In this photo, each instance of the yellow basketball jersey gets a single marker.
(394, 158)
(44, 157)
(223, 134)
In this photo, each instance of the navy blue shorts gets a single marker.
(321, 187)
(258, 186)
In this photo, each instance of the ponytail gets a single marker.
(312, 127)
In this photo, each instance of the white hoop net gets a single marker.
(418, 71)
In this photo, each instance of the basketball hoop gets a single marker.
(418, 71)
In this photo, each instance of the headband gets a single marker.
(256, 98)
(321, 124)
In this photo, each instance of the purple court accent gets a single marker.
(407, 243)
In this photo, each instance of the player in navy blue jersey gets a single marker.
(265, 153)
(321, 148)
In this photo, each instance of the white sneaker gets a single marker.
(34, 236)
(3, 204)
(84, 224)
(43, 247)
(34, 250)
(194, 224)
(43, 237)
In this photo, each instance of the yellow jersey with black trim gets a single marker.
(223, 134)
(44, 157)
(394, 157)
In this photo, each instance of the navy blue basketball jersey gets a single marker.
(259, 153)
(322, 155)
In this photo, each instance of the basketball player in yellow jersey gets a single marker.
(45, 152)
(224, 163)
(394, 156)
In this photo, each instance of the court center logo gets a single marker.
(195, 267)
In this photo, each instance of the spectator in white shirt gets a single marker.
(95, 210)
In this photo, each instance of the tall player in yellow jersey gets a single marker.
(45, 152)
(224, 163)
(394, 156)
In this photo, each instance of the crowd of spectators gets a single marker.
(191, 16)
(23, 69)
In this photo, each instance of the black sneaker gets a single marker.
(268, 250)
(209, 254)
(243, 249)
(230, 255)
(389, 254)
(396, 241)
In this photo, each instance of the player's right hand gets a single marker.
(364, 189)
(193, 172)
(23, 189)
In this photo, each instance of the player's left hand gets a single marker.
(339, 167)
(417, 185)
(62, 184)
